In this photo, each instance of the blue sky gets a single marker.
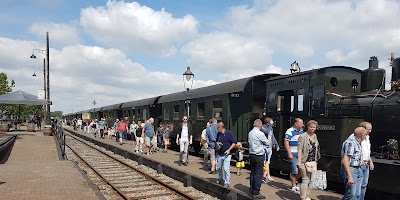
(117, 51)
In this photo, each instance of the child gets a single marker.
(110, 133)
(239, 158)
(166, 138)
(159, 136)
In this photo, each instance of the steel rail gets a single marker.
(98, 173)
(171, 188)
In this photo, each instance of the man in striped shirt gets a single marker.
(291, 137)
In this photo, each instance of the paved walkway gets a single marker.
(34, 171)
(278, 189)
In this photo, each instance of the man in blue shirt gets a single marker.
(351, 164)
(211, 134)
(148, 132)
(224, 154)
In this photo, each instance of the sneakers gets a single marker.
(185, 163)
(308, 198)
(211, 172)
(270, 179)
(295, 190)
(219, 181)
(179, 163)
(226, 185)
(239, 173)
(264, 180)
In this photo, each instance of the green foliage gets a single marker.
(4, 86)
(24, 111)
(56, 114)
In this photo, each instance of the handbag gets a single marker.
(319, 181)
(218, 145)
(311, 166)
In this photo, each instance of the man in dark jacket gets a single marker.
(183, 139)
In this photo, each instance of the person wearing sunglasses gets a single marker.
(183, 139)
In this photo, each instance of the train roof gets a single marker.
(142, 102)
(222, 88)
(111, 107)
(319, 70)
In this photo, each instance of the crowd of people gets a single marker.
(142, 134)
(303, 150)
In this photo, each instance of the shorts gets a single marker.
(147, 141)
(166, 142)
(269, 154)
(211, 152)
(293, 166)
(240, 164)
(265, 167)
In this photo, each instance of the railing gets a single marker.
(59, 134)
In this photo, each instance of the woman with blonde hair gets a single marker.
(308, 152)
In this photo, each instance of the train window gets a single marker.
(318, 99)
(280, 103)
(201, 108)
(217, 110)
(334, 82)
(176, 112)
(300, 99)
(272, 102)
(291, 103)
(144, 114)
(139, 114)
(354, 84)
(166, 114)
(133, 113)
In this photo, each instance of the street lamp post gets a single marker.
(44, 81)
(188, 77)
(43, 51)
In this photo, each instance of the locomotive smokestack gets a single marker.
(395, 68)
(373, 77)
(373, 62)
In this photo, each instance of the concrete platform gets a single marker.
(34, 171)
(278, 189)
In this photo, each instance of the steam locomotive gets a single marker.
(338, 97)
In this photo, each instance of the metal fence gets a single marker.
(59, 134)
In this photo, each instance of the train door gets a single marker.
(119, 114)
(285, 107)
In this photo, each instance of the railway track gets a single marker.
(126, 179)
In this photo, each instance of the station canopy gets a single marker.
(21, 97)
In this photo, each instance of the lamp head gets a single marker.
(33, 56)
(188, 74)
(34, 74)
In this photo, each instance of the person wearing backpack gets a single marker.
(211, 133)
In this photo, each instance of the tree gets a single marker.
(23, 111)
(56, 114)
(4, 86)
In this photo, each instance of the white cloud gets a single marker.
(138, 29)
(61, 34)
(223, 53)
(80, 74)
(300, 28)
(336, 56)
